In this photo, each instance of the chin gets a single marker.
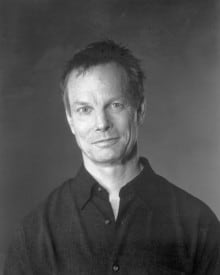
(106, 159)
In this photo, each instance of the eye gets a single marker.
(84, 110)
(117, 106)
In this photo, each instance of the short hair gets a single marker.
(103, 52)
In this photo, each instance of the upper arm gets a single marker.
(16, 262)
(207, 259)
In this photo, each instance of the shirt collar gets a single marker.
(84, 186)
(139, 186)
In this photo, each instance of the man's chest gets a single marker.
(137, 243)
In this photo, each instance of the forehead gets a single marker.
(102, 80)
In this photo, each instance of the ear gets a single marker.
(70, 122)
(141, 112)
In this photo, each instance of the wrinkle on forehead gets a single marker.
(77, 81)
(81, 72)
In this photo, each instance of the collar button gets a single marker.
(115, 267)
(107, 221)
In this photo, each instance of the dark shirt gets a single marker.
(160, 229)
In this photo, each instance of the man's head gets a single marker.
(104, 101)
(103, 52)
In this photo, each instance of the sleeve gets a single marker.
(208, 251)
(17, 262)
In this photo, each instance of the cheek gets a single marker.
(127, 132)
(82, 129)
(132, 131)
(126, 124)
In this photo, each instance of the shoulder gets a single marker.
(33, 237)
(188, 223)
(183, 205)
(172, 202)
(51, 212)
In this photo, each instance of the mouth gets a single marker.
(106, 142)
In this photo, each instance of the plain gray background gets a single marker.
(178, 43)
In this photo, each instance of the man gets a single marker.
(117, 215)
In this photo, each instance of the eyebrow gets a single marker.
(84, 103)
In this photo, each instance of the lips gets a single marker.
(106, 142)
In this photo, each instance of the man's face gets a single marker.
(103, 121)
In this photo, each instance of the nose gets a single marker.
(103, 122)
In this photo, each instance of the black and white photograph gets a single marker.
(109, 137)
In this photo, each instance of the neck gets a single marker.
(114, 176)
